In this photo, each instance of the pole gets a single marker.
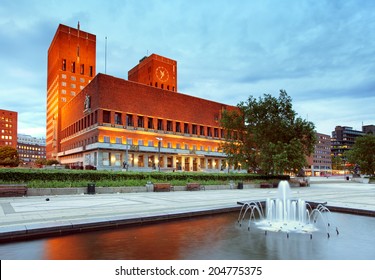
(159, 154)
(159, 144)
(105, 56)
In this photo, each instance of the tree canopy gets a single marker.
(266, 135)
(8, 156)
(363, 154)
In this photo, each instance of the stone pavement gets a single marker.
(28, 217)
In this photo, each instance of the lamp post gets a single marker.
(159, 144)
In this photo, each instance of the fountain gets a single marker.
(286, 214)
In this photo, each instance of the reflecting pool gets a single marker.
(207, 238)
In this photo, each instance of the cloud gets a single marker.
(320, 52)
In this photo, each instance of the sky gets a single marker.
(321, 52)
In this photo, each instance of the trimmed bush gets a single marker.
(61, 175)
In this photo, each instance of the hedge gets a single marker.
(27, 175)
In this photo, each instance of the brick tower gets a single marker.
(71, 66)
(157, 71)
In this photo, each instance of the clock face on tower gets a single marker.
(162, 74)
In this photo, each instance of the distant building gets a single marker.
(30, 148)
(343, 139)
(320, 162)
(368, 129)
(8, 128)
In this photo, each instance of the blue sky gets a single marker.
(321, 52)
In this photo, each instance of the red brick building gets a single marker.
(139, 124)
(71, 66)
(8, 128)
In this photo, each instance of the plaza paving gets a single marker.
(38, 215)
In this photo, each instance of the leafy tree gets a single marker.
(9, 156)
(363, 154)
(267, 135)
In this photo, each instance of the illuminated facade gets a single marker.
(320, 163)
(30, 148)
(71, 66)
(8, 128)
(142, 123)
(113, 121)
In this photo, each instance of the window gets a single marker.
(118, 118)
(150, 123)
(64, 65)
(209, 132)
(186, 128)
(160, 124)
(73, 85)
(186, 147)
(105, 159)
(129, 120)
(91, 71)
(118, 159)
(178, 146)
(140, 121)
(63, 91)
(201, 130)
(73, 78)
(140, 142)
(82, 69)
(106, 139)
(150, 143)
(73, 67)
(194, 129)
(178, 127)
(169, 126)
(63, 84)
(106, 116)
(216, 132)
(118, 140)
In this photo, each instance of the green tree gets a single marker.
(9, 156)
(266, 134)
(363, 154)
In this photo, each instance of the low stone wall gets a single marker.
(112, 190)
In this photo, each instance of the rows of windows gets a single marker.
(81, 124)
(141, 142)
(161, 124)
(82, 70)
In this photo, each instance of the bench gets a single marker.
(163, 187)
(13, 190)
(194, 187)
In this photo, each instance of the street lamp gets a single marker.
(159, 144)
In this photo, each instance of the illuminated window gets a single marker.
(63, 65)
